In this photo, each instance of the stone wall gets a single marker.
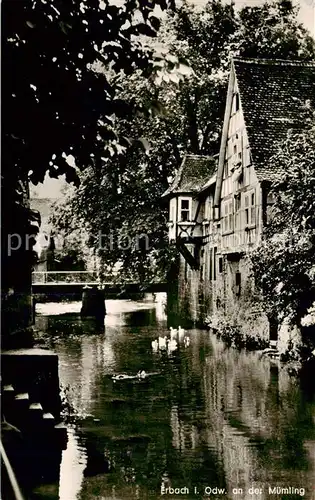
(229, 301)
(194, 295)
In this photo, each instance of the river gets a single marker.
(203, 421)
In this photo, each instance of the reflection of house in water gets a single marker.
(252, 425)
(89, 356)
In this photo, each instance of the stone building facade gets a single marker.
(218, 213)
(44, 246)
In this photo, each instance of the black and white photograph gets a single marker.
(158, 250)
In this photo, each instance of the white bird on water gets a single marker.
(181, 332)
(173, 333)
(162, 342)
(121, 376)
(155, 345)
(172, 345)
(141, 374)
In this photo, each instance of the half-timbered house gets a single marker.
(228, 211)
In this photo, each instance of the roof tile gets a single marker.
(272, 95)
(193, 173)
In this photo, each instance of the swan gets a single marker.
(173, 333)
(162, 342)
(181, 332)
(172, 345)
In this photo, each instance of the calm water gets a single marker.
(210, 417)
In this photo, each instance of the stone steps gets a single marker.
(37, 426)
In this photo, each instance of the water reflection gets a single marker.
(73, 464)
(212, 417)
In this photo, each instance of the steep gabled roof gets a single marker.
(192, 175)
(272, 95)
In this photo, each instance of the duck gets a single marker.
(162, 342)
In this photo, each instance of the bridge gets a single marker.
(71, 283)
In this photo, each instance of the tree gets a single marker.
(186, 118)
(272, 31)
(54, 103)
(284, 266)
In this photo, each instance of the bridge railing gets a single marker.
(81, 278)
(44, 277)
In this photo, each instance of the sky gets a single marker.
(51, 187)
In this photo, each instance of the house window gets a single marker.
(247, 161)
(226, 218)
(228, 222)
(253, 210)
(237, 198)
(246, 212)
(214, 263)
(184, 209)
(237, 202)
(208, 209)
(237, 102)
(231, 216)
(226, 170)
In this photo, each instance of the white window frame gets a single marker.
(180, 210)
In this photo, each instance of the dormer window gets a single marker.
(185, 209)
